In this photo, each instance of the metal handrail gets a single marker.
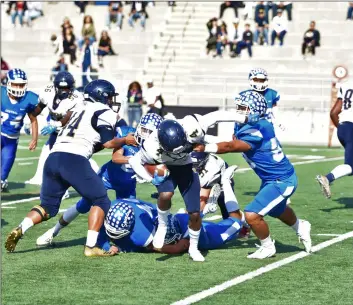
(170, 59)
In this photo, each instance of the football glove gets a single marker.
(157, 180)
(49, 129)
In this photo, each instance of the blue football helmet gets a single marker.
(172, 137)
(258, 79)
(148, 123)
(125, 130)
(102, 91)
(119, 220)
(64, 84)
(16, 82)
(173, 234)
(199, 160)
(251, 103)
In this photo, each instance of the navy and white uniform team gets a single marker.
(89, 124)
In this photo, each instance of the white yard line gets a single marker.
(250, 275)
(25, 163)
(20, 201)
(332, 235)
(215, 217)
(36, 158)
(8, 207)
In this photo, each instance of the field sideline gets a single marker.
(62, 274)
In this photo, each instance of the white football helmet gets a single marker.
(258, 79)
(148, 123)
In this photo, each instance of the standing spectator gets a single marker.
(69, 45)
(234, 36)
(66, 25)
(350, 11)
(222, 41)
(262, 6)
(154, 99)
(115, 14)
(228, 4)
(57, 43)
(246, 42)
(4, 68)
(88, 60)
(104, 47)
(279, 25)
(288, 6)
(34, 11)
(311, 39)
(212, 38)
(261, 28)
(60, 66)
(138, 11)
(81, 6)
(135, 101)
(88, 30)
(18, 9)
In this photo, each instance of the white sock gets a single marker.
(295, 227)
(230, 200)
(42, 158)
(266, 242)
(92, 237)
(26, 224)
(341, 171)
(194, 239)
(163, 217)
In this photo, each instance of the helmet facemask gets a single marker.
(259, 83)
(16, 88)
(113, 103)
(63, 92)
(142, 133)
(114, 233)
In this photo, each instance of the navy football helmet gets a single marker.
(64, 84)
(16, 82)
(120, 220)
(199, 160)
(102, 91)
(172, 137)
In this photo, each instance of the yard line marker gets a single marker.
(250, 275)
(334, 235)
(215, 217)
(25, 163)
(20, 201)
(8, 207)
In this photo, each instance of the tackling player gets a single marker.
(88, 130)
(263, 152)
(16, 102)
(342, 117)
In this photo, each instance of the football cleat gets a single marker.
(46, 239)
(212, 206)
(196, 255)
(304, 234)
(13, 238)
(4, 185)
(325, 185)
(229, 173)
(96, 252)
(264, 251)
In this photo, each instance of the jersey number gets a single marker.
(73, 124)
(276, 150)
(347, 103)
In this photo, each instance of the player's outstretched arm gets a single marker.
(39, 108)
(118, 156)
(117, 143)
(223, 147)
(335, 111)
(180, 247)
(214, 117)
(34, 124)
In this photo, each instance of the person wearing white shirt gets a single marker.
(279, 28)
(288, 6)
(153, 98)
(34, 10)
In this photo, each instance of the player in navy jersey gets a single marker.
(16, 102)
(264, 154)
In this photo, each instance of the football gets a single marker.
(161, 169)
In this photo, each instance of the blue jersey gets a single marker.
(272, 97)
(12, 115)
(265, 157)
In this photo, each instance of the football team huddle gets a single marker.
(169, 154)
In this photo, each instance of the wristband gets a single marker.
(211, 148)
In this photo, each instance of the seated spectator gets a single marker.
(34, 11)
(279, 25)
(115, 14)
(222, 41)
(233, 36)
(60, 66)
(18, 10)
(262, 6)
(66, 24)
(350, 11)
(154, 99)
(81, 6)
(88, 59)
(245, 42)
(69, 45)
(229, 4)
(88, 30)
(213, 30)
(311, 39)
(261, 30)
(4, 68)
(138, 11)
(135, 101)
(288, 6)
(104, 47)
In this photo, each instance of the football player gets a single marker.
(342, 117)
(264, 154)
(171, 145)
(88, 130)
(16, 102)
(116, 174)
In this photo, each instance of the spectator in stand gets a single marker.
(222, 41)
(279, 25)
(311, 39)
(153, 98)
(171, 3)
(4, 68)
(115, 14)
(66, 25)
(229, 4)
(234, 36)
(18, 10)
(69, 45)
(88, 60)
(288, 6)
(104, 47)
(81, 6)
(34, 11)
(245, 42)
(261, 30)
(60, 66)
(213, 30)
(135, 101)
(57, 43)
(138, 11)
(262, 5)
(350, 11)
(88, 30)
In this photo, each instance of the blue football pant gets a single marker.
(8, 155)
(345, 136)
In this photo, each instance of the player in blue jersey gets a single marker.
(16, 102)
(264, 154)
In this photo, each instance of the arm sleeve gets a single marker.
(33, 103)
(136, 163)
(253, 137)
(103, 122)
(214, 117)
(340, 92)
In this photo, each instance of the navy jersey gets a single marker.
(265, 157)
(12, 114)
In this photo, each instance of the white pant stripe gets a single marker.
(271, 205)
(230, 231)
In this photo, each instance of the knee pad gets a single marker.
(43, 212)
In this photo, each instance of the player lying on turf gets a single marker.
(342, 117)
(16, 102)
(116, 174)
(171, 145)
(264, 154)
(130, 225)
(89, 129)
